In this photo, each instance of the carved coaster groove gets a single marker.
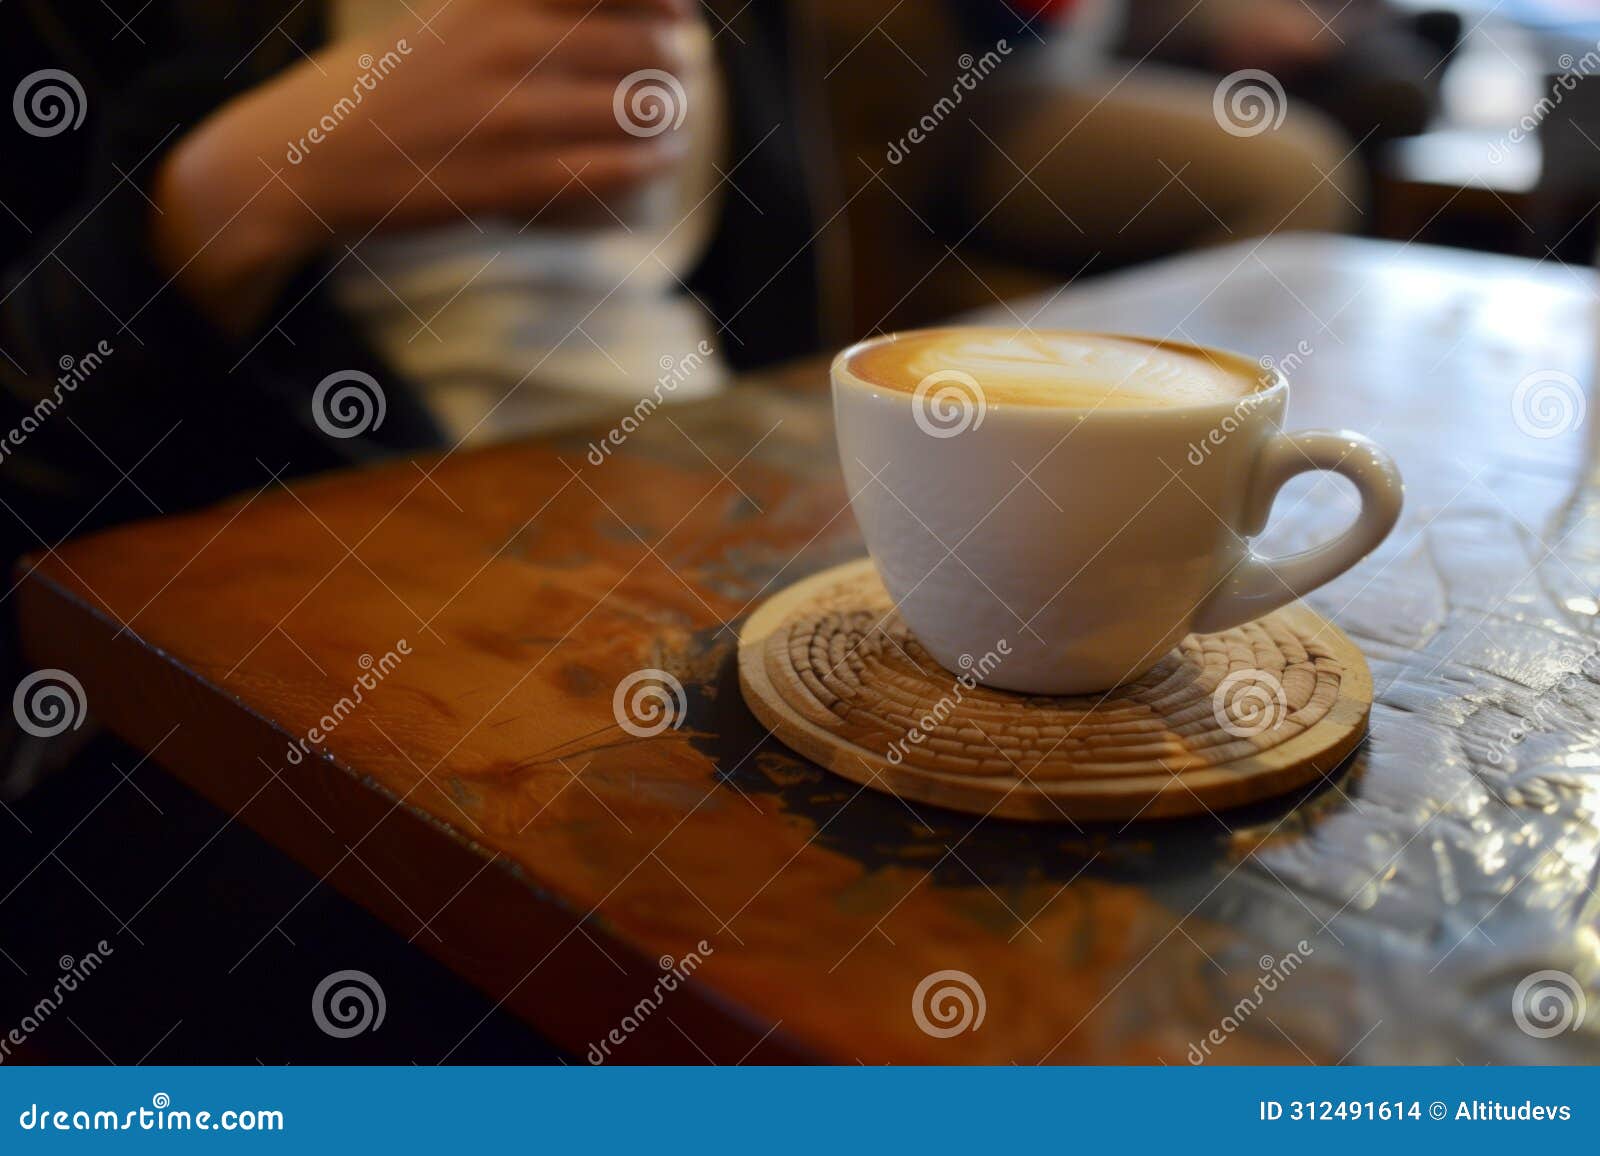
(1224, 719)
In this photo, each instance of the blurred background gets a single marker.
(494, 218)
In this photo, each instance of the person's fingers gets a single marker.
(566, 110)
(671, 8)
(553, 180)
(603, 45)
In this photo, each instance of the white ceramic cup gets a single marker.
(1089, 540)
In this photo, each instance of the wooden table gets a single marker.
(484, 799)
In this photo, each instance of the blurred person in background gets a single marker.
(1371, 66)
(214, 208)
(244, 242)
(1128, 159)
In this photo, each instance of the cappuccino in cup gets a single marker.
(1072, 370)
(1040, 487)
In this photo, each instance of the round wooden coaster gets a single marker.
(1224, 719)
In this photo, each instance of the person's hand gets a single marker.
(500, 107)
(1275, 35)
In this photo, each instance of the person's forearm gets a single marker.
(510, 105)
(229, 231)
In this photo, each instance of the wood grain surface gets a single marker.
(1224, 720)
(484, 799)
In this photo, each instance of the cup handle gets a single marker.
(1260, 585)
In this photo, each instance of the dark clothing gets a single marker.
(980, 23)
(151, 387)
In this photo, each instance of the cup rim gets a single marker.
(840, 369)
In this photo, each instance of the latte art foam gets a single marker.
(1056, 368)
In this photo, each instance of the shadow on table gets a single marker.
(880, 831)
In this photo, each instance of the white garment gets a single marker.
(510, 327)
